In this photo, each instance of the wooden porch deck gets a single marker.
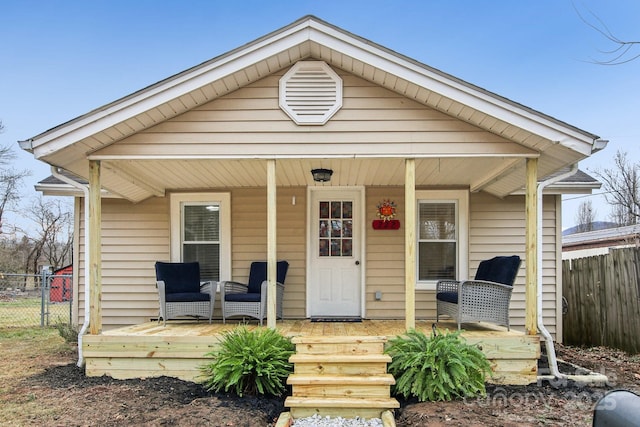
(179, 348)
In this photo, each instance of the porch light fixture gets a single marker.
(321, 175)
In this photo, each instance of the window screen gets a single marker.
(437, 241)
(200, 237)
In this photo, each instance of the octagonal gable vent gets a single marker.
(310, 93)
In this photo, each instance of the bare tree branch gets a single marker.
(53, 243)
(623, 51)
(10, 182)
(621, 185)
(585, 216)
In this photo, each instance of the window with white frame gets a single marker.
(442, 236)
(200, 231)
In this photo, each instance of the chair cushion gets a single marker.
(241, 297)
(179, 277)
(258, 274)
(451, 297)
(500, 269)
(187, 297)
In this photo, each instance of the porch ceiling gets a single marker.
(137, 179)
(70, 145)
(198, 174)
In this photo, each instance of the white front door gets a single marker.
(334, 286)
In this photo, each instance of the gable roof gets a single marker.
(71, 144)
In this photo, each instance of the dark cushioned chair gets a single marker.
(239, 299)
(180, 291)
(484, 299)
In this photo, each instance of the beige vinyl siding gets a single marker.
(497, 227)
(249, 239)
(134, 237)
(384, 257)
(372, 120)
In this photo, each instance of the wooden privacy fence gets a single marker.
(603, 300)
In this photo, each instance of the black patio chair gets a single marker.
(181, 293)
(486, 298)
(239, 299)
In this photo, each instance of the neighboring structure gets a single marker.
(61, 286)
(215, 164)
(599, 242)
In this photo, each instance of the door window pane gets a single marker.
(336, 210)
(335, 247)
(335, 233)
(324, 210)
(347, 210)
(324, 228)
(336, 228)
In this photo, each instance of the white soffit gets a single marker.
(310, 93)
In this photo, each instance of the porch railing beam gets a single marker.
(95, 243)
(410, 242)
(271, 244)
(532, 240)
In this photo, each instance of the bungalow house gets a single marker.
(467, 175)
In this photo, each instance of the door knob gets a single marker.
(357, 262)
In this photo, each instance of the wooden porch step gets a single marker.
(344, 402)
(343, 345)
(340, 376)
(337, 386)
(296, 379)
(336, 364)
(340, 358)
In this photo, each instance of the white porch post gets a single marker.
(95, 242)
(271, 244)
(531, 261)
(410, 242)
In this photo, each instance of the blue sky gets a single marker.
(61, 59)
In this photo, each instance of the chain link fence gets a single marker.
(35, 299)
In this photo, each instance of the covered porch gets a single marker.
(180, 347)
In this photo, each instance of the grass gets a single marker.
(24, 351)
(25, 312)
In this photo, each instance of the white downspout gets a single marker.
(85, 325)
(551, 351)
(592, 378)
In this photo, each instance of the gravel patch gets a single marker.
(319, 421)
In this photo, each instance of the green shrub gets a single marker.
(250, 362)
(442, 367)
(67, 331)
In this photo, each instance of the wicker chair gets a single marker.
(484, 299)
(180, 291)
(239, 299)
